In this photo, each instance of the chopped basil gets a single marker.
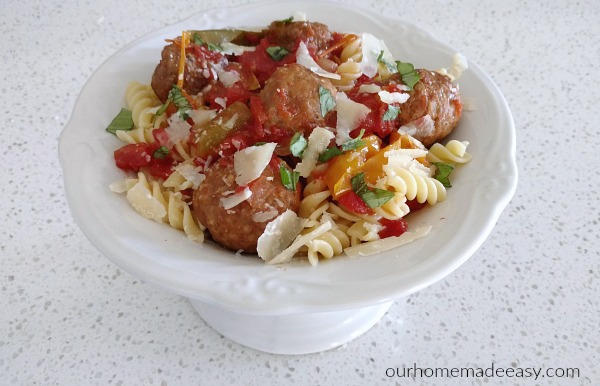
(443, 171)
(354, 143)
(123, 121)
(391, 113)
(373, 197)
(297, 144)
(176, 97)
(326, 99)
(211, 46)
(289, 178)
(161, 152)
(277, 53)
(329, 154)
(287, 21)
(410, 76)
(390, 66)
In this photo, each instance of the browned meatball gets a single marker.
(241, 226)
(437, 96)
(196, 73)
(291, 99)
(287, 33)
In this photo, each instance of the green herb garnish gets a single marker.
(410, 76)
(298, 144)
(354, 143)
(329, 154)
(289, 178)
(123, 121)
(391, 113)
(442, 173)
(161, 152)
(373, 197)
(287, 21)
(326, 99)
(181, 103)
(277, 53)
(211, 46)
(390, 66)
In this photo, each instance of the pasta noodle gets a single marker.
(153, 201)
(349, 68)
(453, 152)
(143, 103)
(415, 185)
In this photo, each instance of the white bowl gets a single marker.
(295, 308)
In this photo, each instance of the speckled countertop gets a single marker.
(527, 298)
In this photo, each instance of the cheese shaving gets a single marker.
(349, 115)
(236, 199)
(377, 246)
(278, 235)
(303, 58)
(286, 255)
(317, 143)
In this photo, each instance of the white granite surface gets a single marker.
(529, 297)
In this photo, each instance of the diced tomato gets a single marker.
(160, 136)
(260, 63)
(353, 203)
(161, 167)
(415, 205)
(237, 141)
(392, 227)
(133, 157)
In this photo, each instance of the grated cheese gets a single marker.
(250, 162)
(318, 141)
(349, 115)
(236, 198)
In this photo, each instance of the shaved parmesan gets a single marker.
(191, 173)
(201, 116)
(145, 203)
(303, 58)
(234, 49)
(236, 198)
(377, 246)
(299, 16)
(250, 162)
(278, 235)
(371, 88)
(178, 130)
(349, 115)
(286, 255)
(229, 78)
(392, 97)
(371, 49)
(459, 65)
(424, 125)
(317, 143)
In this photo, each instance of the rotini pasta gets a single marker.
(414, 185)
(349, 68)
(143, 103)
(453, 152)
(154, 202)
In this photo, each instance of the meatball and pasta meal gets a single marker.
(290, 142)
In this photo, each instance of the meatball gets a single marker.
(286, 34)
(435, 95)
(196, 74)
(291, 99)
(241, 226)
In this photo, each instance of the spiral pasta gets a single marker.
(414, 185)
(315, 201)
(143, 103)
(453, 152)
(349, 68)
(154, 202)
